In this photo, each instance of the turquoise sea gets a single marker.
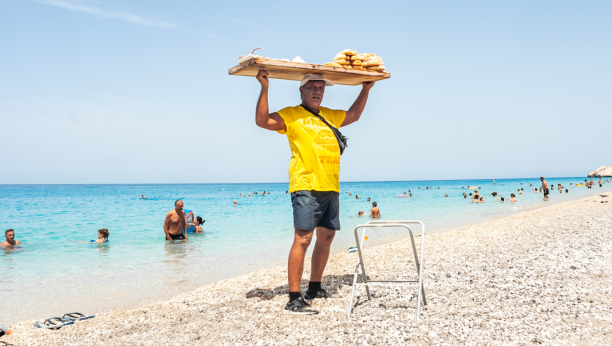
(56, 270)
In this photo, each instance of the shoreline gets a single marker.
(248, 309)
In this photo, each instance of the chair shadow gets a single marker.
(332, 283)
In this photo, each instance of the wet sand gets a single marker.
(540, 276)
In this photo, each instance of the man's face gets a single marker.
(10, 236)
(179, 206)
(312, 93)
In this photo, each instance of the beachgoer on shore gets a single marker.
(544, 187)
(199, 222)
(9, 234)
(175, 225)
(102, 236)
(314, 176)
(375, 212)
(600, 184)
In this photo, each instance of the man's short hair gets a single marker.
(176, 202)
(9, 230)
(374, 204)
(541, 178)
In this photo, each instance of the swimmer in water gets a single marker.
(199, 222)
(375, 212)
(9, 234)
(512, 198)
(143, 197)
(361, 213)
(235, 203)
(102, 236)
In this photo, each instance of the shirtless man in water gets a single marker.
(9, 234)
(375, 212)
(544, 187)
(175, 225)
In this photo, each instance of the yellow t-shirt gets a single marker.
(315, 153)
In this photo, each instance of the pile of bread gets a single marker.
(365, 61)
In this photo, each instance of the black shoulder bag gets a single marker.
(341, 139)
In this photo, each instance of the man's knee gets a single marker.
(303, 238)
(325, 235)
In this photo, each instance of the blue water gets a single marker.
(56, 270)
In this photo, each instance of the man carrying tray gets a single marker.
(314, 177)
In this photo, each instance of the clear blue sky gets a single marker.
(138, 91)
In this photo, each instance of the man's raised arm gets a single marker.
(263, 118)
(354, 113)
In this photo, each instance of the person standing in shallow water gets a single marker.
(544, 187)
(175, 225)
(314, 177)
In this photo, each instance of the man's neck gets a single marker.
(314, 110)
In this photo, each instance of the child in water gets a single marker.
(102, 236)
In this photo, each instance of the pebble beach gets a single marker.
(537, 277)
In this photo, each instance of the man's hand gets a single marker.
(367, 85)
(262, 77)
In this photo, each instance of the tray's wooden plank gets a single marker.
(287, 70)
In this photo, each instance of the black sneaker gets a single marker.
(321, 294)
(300, 307)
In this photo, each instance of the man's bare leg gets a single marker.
(321, 253)
(301, 241)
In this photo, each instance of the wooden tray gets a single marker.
(279, 69)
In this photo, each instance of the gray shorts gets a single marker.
(316, 209)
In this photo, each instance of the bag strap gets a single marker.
(339, 137)
(320, 118)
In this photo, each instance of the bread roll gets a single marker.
(356, 62)
(367, 55)
(348, 52)
(341, 61)
(372, 62)
(340, 56)
(332, 64)
(378, 68)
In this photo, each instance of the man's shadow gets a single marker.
(332, 283)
